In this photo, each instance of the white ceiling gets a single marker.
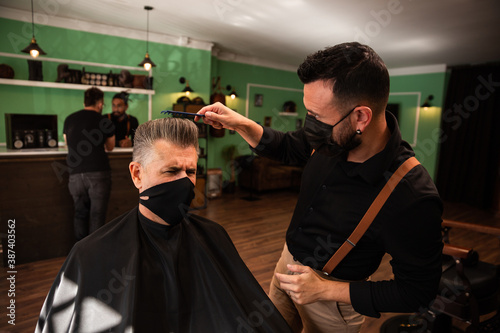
(405, 33)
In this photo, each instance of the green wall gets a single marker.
(172, 63)
(239, 76)
(404, 91)
(199, 67)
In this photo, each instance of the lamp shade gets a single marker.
(147, 63)
(187, 89)
(233, 94)
(427, 103)
(33, 49)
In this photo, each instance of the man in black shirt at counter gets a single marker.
(350, 147)
(125, 124)
(88, 135)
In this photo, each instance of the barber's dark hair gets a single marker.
(124, 96)
(92, 96)
(356, 71)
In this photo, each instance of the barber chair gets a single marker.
(468, 291)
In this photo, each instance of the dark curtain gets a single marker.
(470, 142)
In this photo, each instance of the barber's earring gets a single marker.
(358, 132)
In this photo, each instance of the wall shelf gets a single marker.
(76, 86)
(75, 62)
(73, 86)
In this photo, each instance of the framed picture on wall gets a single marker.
(267, 121)
(258, 100)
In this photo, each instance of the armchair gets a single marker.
(469, 287)
(469, 290)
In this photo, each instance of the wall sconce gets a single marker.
(187, 89)
(427, 103)
(33, 49)
(147, 63)
(232, 94)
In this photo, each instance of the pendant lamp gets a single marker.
(187, 89)
(33, 49)
(147, 63)
(233, 93)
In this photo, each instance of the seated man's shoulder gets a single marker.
(112, 233)
(206, 224)
(204, 221)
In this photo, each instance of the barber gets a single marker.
(349, 147)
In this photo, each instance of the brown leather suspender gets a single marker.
(370, 214)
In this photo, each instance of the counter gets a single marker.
(35, 194)
(62, 150)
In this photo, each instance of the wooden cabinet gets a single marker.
(192, 108)
(40, 203)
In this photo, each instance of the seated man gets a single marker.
(159, 268)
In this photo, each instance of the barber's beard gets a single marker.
(346, 140)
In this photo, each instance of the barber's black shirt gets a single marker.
(86, 131)
(333, 198)
(125, 128)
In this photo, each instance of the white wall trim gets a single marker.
(249, 85)
(417, 113)
(439, 68)
(233, 57)
(76, 62)
(73, 24)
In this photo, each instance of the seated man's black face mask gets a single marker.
(170, 200)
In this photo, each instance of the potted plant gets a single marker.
(228, 153)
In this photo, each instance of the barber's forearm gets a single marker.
(250, 131)
(306, 286)
(337, 291)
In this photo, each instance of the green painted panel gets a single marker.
(407, 117)
(172, 63)
(404, 91)
(242, 77)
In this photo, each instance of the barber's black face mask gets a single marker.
(170, 200)
(319, 136)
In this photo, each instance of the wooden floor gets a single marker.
(257, 229)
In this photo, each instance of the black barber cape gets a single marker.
(135, 275)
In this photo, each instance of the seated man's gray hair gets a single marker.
(181, 132)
